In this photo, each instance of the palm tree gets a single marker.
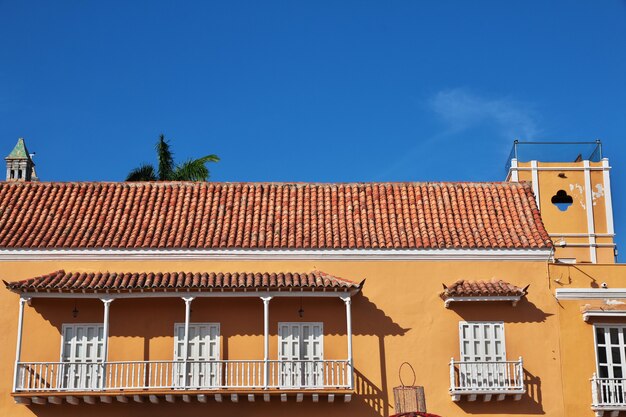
(191, 170)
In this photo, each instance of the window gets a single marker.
(482, 341)
(81, 355)
(203, 368)
(301, 354)
(611, 366)
(610, 350)
(483, 357)
(562, 200)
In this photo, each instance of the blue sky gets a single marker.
(311, 91)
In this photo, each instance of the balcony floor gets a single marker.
(185, 396)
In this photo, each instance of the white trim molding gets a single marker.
(608, 200)
(203, 293)
(590, 293)
(540, 254)
(512, 298)
(603, 313)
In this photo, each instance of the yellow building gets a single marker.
(281, 298)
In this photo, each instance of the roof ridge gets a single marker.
(302, 183)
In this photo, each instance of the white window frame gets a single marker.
(609, 355)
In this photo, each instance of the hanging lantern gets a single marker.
(301, 310)
(409, 398)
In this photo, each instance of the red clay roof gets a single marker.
(178, 215)
(61, 281)
(464, 288)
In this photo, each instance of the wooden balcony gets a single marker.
(608, 395)
(53, 382)
(490, 379)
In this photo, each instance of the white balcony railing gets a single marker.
(193, 375)
(608, 393)
(470, 378)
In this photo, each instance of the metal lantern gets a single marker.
(409, 398)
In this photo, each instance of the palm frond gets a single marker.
(144, 172)
(165, 158)
(194, 169)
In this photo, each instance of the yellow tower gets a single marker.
(572, 186)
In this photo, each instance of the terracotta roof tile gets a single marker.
(61, 281)
(464, 288)
(180, 215)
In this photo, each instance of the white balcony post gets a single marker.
(187, 301)
(348, 301)
(105, 337)
(18, 347)
(266, 341)
(452, 382)
(594, 390)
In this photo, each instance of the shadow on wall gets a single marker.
(367, 392)
(530, 403)
(524, 312)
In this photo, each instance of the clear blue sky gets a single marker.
(311, 91)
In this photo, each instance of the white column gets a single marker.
(535, 180)
(266, 341)
(348, 301)
(187, 301)
(589, 206)
(105, 328)
(513, 170)
(105, 334)
(18, 347)
(608, 201)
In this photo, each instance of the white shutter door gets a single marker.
(482, 341)
(482, 347)
(300, 352)
(203, 348)
(82, 353)
(313, 353)
(289, 354)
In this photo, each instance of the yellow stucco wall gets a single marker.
(578, 358)
(398, 317)
(574, 219)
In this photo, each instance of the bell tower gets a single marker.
(572, 186)
(20, 165)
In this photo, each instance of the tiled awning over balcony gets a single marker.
(103, 282)
(494, 290)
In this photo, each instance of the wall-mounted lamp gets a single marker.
(562, 175)
(75, 311)
(301, 310)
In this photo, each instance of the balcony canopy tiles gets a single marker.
(494, 290)
(198, 284)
